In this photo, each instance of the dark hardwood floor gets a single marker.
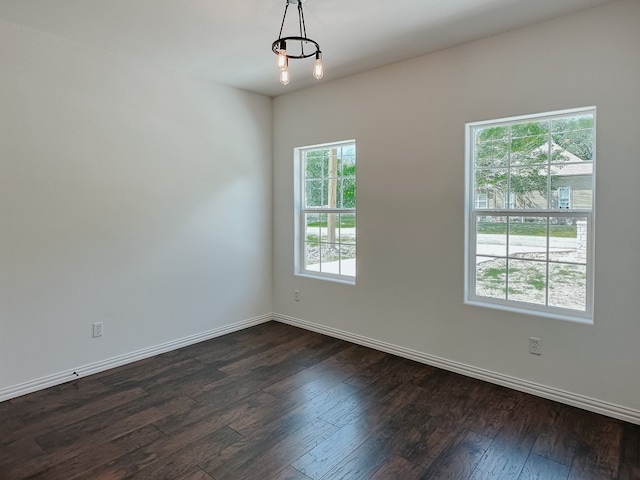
(274, 402)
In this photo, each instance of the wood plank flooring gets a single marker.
(275, 402)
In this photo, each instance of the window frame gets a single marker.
(300, 266)
(472, 213)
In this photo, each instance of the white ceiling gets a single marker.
(229, 41)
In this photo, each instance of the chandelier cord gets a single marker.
(286, 7)
(303, 26)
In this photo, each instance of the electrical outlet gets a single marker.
(97, 329)
(296, 295)
(535, 346)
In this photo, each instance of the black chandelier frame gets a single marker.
(281, 42)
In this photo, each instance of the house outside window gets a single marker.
(326, 211)
(529, 248)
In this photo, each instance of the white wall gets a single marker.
(408, 121)
(128, 195)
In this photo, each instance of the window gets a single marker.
(326, 211)
(481, 200)
(564, 197)
(529, 246)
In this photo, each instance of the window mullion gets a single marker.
(549, 150)
(548, 256)
(507, 262)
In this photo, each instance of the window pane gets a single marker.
(312, 256)
(347, 192)
(491, 134)
(561, 155)
(528, 140)
(491, 277)
(492, 154)
(568, 286)
(574, 135)
(347, 252)
(315, 193)
(348, 260)
(568, 239)
(528, 237)
(572, 185)
(492, 182)
(527, 281)
(347, 228)
(316, 165)
(582, 195)
(528, 188)
(347, 164)
(531, 128)
(328, 227)
(491, 236)
(330, 258)
(312, 227)
(323, 222)
(530, 150)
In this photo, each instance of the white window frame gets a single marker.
(472, 212)
(300, 267)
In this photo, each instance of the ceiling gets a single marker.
(229, 41)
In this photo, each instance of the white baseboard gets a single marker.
(96, 367)
(569, 398)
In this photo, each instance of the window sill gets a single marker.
(315, 276)
(527, 311)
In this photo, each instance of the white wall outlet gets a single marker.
(296, 295)
(535, 346)
(97, 329)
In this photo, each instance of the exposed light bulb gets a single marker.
(318, 70)
(281, 60)
(285, 78)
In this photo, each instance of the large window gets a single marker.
(326, 209)
(529, 244)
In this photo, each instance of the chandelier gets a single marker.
(296, 45)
